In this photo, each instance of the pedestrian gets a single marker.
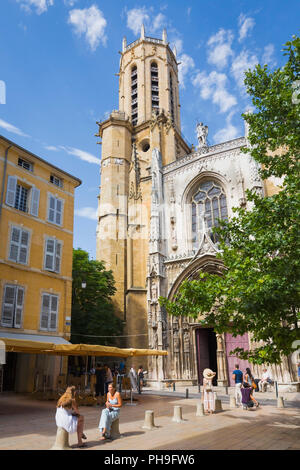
(250, 379)
(68, 416)
(208, 394)
(237, 376)
(100, 374)
(133, 378)
(248, 401)
(108, 379)
(111, 412)
(298, 365)
(140, 379)
(122, 367)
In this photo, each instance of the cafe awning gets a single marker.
(41, 347)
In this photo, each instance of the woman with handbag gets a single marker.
(68, 416)
(208, 394)
(250, 379)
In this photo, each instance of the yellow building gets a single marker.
(36, 246)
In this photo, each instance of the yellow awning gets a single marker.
(38, 347)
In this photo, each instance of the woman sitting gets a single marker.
(111, 412)
(67, 415)
(248, 400)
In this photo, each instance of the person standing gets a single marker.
(237, 376)
(250, 379)
(140, 379)
(108, 378)
(298, 366)
(100, 381)
(208, 394)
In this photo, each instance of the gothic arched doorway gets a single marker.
(206, 349)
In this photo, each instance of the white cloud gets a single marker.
(51, 148)
(245, 24)
(178, 43)
(138, 16)
(268, 55)
(219, 48)
(91, 23)
(242, 63)
(40, 5)
(213, 86)
(13, 129)
(227, 133)
(135, 18)
(186, 65)
(70, 3)
(87, 212)
(85, 156)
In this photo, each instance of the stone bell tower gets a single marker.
(137, 141)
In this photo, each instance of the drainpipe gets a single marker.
(3, 180)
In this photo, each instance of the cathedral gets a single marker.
(159, 199)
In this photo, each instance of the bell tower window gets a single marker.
(154, 87)
(172, 99)
(134, 96)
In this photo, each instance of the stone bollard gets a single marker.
(177, 418)
(200, 409)
(114, 431)
(62, 440)
(232, 402)
(149, 420)
(280, 402)
(218, 405)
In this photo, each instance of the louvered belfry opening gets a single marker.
(172, 99)
(134, 96)
(154, 86)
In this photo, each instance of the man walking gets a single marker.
(237, 376)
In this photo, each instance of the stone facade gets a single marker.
(159, 199)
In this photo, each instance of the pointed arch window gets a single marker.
(208, 205)
(134, 96)
(172, 107)
(154, 87)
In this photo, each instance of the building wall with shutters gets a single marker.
(36, 244)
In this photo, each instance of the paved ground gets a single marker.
(26, 423)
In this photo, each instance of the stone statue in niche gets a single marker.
(153, 292)
(186, 342)
(176, 341)
(202, 132)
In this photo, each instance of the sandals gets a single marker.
(83, 436)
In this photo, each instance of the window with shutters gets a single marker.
(53, 254)
(21, 197)
(19, 245)
(55, 210)
(49, 313)
(25, 164)
(12, 306)
(57, 181)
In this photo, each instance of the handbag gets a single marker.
(254, 384)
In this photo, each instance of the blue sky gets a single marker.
(58, 60)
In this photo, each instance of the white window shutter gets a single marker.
(23, 253)
(14, 244)
(19, 307)
(11, 190)
(58, 215)
(58, 250)
(53, 312)
(45, 311)
(49, 254)
(8, 306)
(51, 211)
(35, 200)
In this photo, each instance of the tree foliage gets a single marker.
(259, 289)
(92, 308)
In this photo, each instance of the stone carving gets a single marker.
(176, 341)
(186, 342)
(135, 190)
(202, 132)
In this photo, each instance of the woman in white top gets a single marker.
(68, 416)
(208, 394)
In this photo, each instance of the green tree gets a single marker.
(259, 289)
(92, 308)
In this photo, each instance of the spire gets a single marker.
(124, 44)
(143, 31)
(164, 36)
(175, 52)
